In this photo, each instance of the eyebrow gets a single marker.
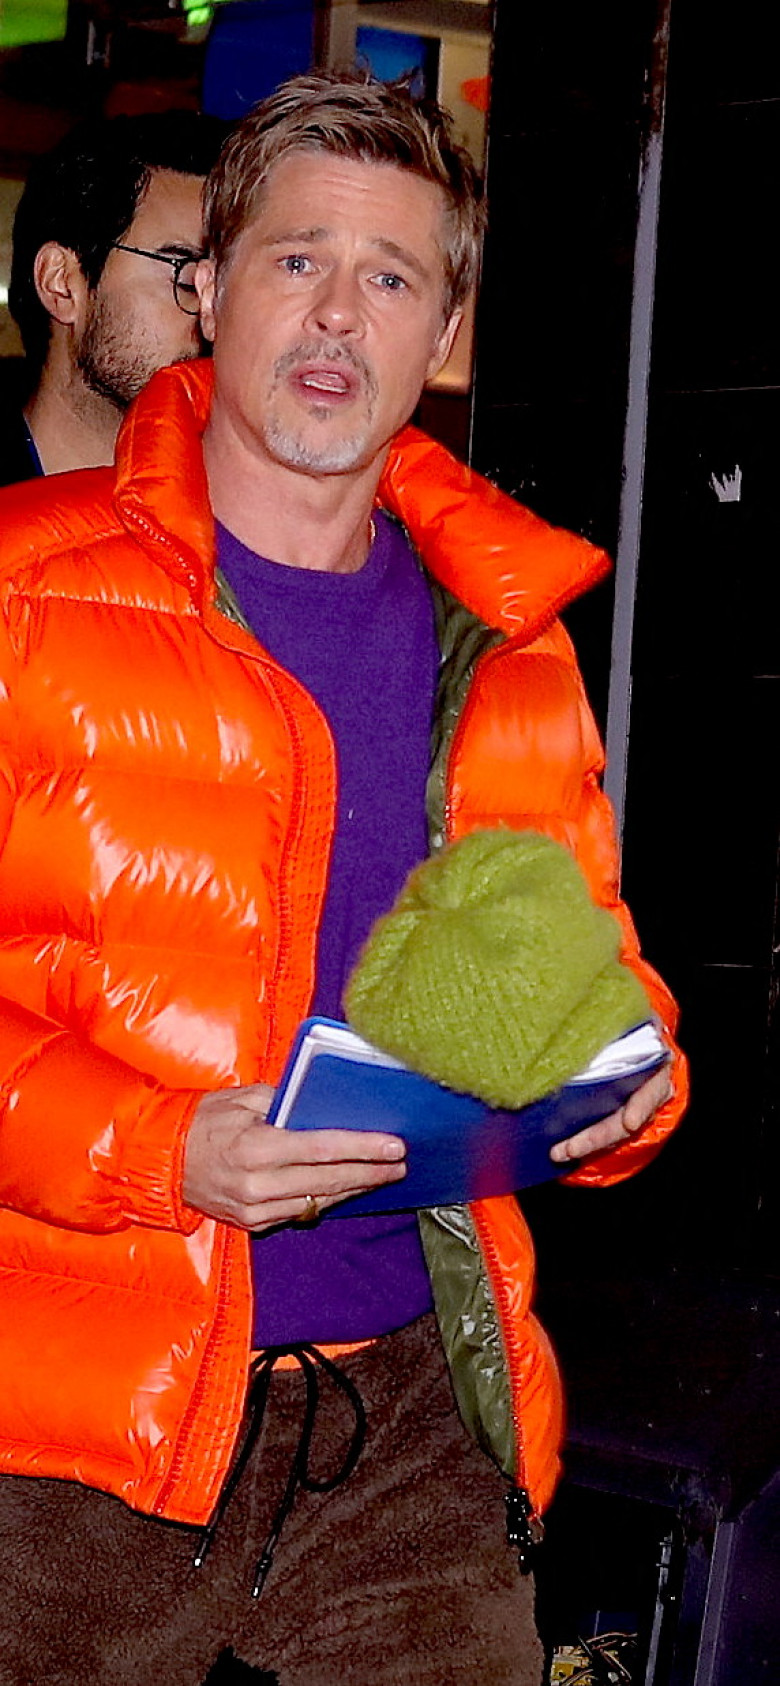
(315, 236)
(177, 250)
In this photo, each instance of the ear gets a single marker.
(444, 345)
(59, 282)
(206, 283)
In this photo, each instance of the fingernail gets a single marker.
(394, 1150)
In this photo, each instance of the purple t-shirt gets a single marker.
(364, 646)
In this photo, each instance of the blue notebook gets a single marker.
(458, 1148)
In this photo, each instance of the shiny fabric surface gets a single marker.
(166, 804)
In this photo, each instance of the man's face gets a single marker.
(132, 324)
(327, 318)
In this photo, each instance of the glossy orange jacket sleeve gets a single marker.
(599, 859)
(86, 1141)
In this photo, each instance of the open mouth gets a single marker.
(324, 382)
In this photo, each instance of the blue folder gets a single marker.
(458, 1148)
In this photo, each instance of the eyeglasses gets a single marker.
(182, 278)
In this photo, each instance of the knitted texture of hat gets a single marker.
(495, 972)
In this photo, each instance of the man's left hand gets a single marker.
(609, 1132)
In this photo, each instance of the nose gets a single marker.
(336, 306)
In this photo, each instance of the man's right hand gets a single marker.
(246, 1172)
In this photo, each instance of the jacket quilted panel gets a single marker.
(183, 786)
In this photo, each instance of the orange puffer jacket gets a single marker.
(166, 804)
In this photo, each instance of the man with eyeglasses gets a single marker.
(106, 239)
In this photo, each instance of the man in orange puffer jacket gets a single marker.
(219, 667)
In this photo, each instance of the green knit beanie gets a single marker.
(495, 973)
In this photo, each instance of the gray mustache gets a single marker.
(310, 351)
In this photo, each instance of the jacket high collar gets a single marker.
(505, 564)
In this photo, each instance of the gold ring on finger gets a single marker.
(311, 1210)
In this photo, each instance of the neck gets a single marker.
(320, 522)
(72, 427)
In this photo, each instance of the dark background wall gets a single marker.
(553, 327)
(574, 87)
(702, 846)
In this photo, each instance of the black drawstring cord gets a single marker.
(254, 1412)
(310, 1359)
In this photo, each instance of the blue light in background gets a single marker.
(390, 53)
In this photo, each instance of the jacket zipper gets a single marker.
(159, 537)
(525, 1528)
(223, 1290)
(298, 759)
(501, 1299)
(223, 1287)
(171, 1478)
(524, 1524)
(135, 518)
(294, 833)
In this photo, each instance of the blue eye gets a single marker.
(391, 283)
(296, 264)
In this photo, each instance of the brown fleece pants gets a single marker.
(400, 1577)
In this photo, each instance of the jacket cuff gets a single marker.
(601, 1170)
(146, 1175)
